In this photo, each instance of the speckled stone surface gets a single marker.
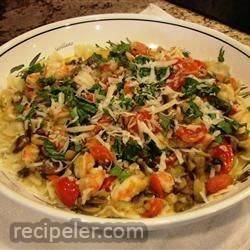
(19, 16)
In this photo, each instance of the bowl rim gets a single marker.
(153, 223)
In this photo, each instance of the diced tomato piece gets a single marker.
(191, 133)
(176, 84)
(183, 68)
(105, 67)
(127, 88)
(105, 119)
(99, 151)
(108, 182)
(233, 110)
(144, 115)
(67, 191)
(155, 207)
(224, 152)
(155, 185)
(138, 48)
(170, 160)
(218, 183)
(89, 97)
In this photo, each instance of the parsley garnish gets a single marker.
(193, 110)
(220, 104)
(120, 173)
(125, 102)
(47, 80)
(165, 122)
(141, 59)
(144, 71)
(16, 68)
(96, 59)
(35, 59)
(51, 152)
(19, 108)
(221, 55)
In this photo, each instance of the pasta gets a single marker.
(125, 131)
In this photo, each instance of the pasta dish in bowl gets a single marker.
(124, 130)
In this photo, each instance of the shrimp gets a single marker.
(30, 153)
(166, 181)
(129, 188)
(91, 183)
(59, 136)
(93, 179)
(138, 48)
(83, 164)
(32, 81)
(59, 71)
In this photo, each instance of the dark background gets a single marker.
(233, 12)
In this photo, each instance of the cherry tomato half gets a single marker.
(183, 68)
(191, 133)
(224, 152)
(67, 191)
(155, 185)
(218, 183)
(105, 119)
(155, 207)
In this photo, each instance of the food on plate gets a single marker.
(125, 130)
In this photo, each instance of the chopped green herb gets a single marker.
(118, 52)
(141, 59)
(19, 108)
(35, 59)
(153, 150)
(51, 152)
(193, 87)
(118, 147)
(120, 173)
(73, 112)
(165, 122)
(193, 110)
(219, 139)
(31, 113)
(229, 126)
(131, 150)
(78, 147)
(16, 68)
(190, 87)
(120, 47)
(145, 92)
(206, 90)
(161, 73)
(33, 69)
(126, 102)
(220, 104)
(96, 59)
(221, 55)
(47, 80)
(97, 88)
(186, 53)
(143, 72)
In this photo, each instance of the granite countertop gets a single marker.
(19, 16)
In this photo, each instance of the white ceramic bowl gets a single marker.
(204, 44)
